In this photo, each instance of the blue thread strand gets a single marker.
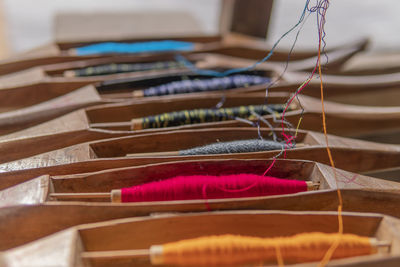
(192, 67)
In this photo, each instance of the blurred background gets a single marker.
(26, 24)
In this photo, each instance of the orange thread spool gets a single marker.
(235, 249)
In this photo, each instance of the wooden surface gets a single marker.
(76, 127)
(23, 118)
(60, 216)
(147, 231)
(116, 26)
(37, 77)
(113, 153)
(56, 54)
(244, 47)
(4, 39)
(69, 130)
(73, 136)
(45, 188)
(246, 17)
(348, 120)
(349, 154)
(21, 97)
(227, 55)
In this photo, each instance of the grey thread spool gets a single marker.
(206, 85)
(126, 67)
(240, 146)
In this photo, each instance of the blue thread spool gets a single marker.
(205, 85)
(131, 48)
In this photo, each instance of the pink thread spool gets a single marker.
(211, 187)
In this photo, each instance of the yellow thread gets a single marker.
(236, 249)
(187, 116)
(279, 258)
(298, 126)
(301, 118)
(124, 67)
(167, 118)
(90, 71)
(202, 116)
(159, 65)
(145, 122)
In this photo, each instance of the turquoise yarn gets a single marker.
(138, 47)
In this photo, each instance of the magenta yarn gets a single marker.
(211, 187)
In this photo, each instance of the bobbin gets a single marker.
(155, 252)
(114, 68)
(195, 116)
(136, 47)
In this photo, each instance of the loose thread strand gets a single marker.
(334, 246)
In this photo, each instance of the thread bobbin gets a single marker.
(138, 94)
(156, 255)
(116, 196)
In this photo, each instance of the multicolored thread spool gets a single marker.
(203, 85)
(194, 116)
(122, 68)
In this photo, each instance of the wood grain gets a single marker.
(142, 232)
(104, 181)
(349, 154)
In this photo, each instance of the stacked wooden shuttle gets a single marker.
(67, 141)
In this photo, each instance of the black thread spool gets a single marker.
(123, 68)
(194, 116)
(203, 85)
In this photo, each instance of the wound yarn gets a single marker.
(239, 146)
(194, 116)
(205, 85)
(211, 187)
(126, 67)
(236, 249)
(136, 47)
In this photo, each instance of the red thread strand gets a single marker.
(211, 187)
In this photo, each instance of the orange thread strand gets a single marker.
(279, 258)
(335, 245)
